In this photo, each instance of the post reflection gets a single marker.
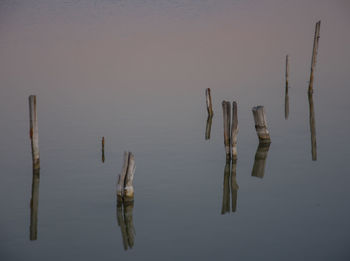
(230, 183)
(260, 159)
(34, 204)
(125, 222)
(286, 104)
(208, 127)
(312, 127)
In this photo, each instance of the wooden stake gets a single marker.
(121, 178)
(34, 204)
(260, 160)
(234, 130)
(287, 73)
(314, 55)
(208, 127)
(226, 106)
(129, 188)
(209, 103)
(312, 127)
(34, 133)
(260, 124)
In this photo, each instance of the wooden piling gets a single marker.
(125, 188)
(34, 205)
(34, 132)
(314, 55)
(287, 73)
(129, 188)
(260, 124)
(209, 103)
(260, 160)
(234, 130)
(226, 106)
(312, 127)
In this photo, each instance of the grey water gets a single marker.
(135, 72)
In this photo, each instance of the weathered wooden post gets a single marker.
(260, 124)
(312, 127)
(34, 205)
(34, 132)
(208, 127)
(234, 130)
(125, 188)
(234, 185)
(226, 106)
(226, 189)
(260, 160)
(209, 103)
(103, 149)
(314, 55)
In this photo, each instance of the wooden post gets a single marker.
(234, 185)
(208, 127)
(260, 160)
(314, 55)
(129, 188)
(234, 130)
(226, 106)
(121, 178)
(260, 124)
(312, 127)
(125, 189)
(209, 103)
(103, 149)
(34, 205)
(226, 189)
(34, 132)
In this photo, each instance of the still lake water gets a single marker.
(135, 72)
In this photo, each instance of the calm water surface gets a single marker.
(135, 72)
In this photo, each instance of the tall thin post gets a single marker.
(312, 127)
(314, 55)
(260, 124)
(209, 103)
(287, 72)
(234, 130)
(129, 188)
(103, 149)
(121, 178)
(34, 132)
(226, 106)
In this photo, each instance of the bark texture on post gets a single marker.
(312, 128)
(260, 124)
(226, 106)
(234, 130)
(314, 55)
(209, 103)
(260, 160)
(34, 132)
